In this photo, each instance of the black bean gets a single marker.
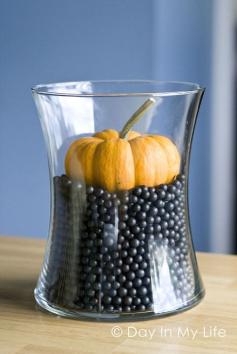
(128, 284)
(145, 207)
(107, 299)
(132, 292)
(127, 300)
(142, 291)
(117, 300)
(137, 191)
(131, 275)
(140, 273)
(132, 252)
(122, 292)
(135, 229)
(131, 221)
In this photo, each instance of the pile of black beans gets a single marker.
(107, 248)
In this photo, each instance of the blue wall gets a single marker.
(182, 50)
(50, 41)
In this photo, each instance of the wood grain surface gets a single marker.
(209, 328)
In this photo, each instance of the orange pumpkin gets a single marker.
(116, 161)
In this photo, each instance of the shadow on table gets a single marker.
(18, 293)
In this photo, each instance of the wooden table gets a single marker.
(25, 329)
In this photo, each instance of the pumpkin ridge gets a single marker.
(173, 155)
(124, 165)
(107, 134)
(132, 134)
(72, 154)
(141, 153)
(134, 169)
(116, 153)
(103, 169)
(89, 151)
(80, 156)
(161, 148)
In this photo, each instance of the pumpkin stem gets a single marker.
(136, 117)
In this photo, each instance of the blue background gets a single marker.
(51, 41)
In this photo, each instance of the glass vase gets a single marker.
(119, 245)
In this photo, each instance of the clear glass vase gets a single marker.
(119, 245)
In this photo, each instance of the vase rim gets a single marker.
(117, 88)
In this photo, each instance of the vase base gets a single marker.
(116, 317)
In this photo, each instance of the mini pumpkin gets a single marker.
(121, 161)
